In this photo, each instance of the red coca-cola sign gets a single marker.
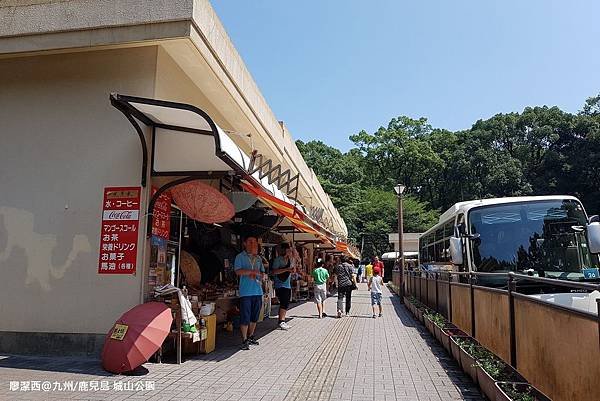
(121, 215)
(119, 234)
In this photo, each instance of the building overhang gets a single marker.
(191, 34)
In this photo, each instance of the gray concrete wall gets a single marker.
(62, 143)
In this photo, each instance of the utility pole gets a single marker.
(399, 190)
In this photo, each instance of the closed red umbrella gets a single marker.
(136, 336)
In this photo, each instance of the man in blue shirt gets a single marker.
(283, 267)
(249, 267)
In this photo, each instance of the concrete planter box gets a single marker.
(469, 363)
(439, 330)
(488, 384)
(501, 395)
(455, 348)
(419, 314)
(447, 332)
(407, 303)
(429, 324)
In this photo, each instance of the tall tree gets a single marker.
(542, 150)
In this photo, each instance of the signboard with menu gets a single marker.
(161, 215)
(119, 235)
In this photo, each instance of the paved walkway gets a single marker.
(352, 358)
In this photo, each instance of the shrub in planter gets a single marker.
(468, 361)
(447, 332)
(440, 323)
(507, 391)
(412, 304)
(428, 318)
(493, 369)
(455, 347)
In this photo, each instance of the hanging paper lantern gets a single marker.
(202, 202)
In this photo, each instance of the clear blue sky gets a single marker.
(332, 68)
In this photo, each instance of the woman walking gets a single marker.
(346, 283)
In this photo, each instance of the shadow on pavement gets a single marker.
(79, 365)
(464, 384)
(229, 343)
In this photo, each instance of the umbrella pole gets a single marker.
(178, 317)
(296, 264)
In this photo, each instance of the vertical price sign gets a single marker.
(161, 215)
(119, 235)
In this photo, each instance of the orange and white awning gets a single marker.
(296, 216)
(341, 246)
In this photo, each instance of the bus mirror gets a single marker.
(460, 230)
(456, 252)
(593, 237)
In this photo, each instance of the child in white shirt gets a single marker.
(375, 286)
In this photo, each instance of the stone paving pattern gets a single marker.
(354, 358)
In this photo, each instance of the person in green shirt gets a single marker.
(320, 275)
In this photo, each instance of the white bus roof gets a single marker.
(395, 255)
(464, 207)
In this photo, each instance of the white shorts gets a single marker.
(320, 293)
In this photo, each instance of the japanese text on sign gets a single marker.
(161, 215)
(119, 332)
(119, 235)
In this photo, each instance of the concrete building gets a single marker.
(63, 142)
(410, 241)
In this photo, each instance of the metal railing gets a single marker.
(512, 280)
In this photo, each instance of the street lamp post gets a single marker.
(399, 190)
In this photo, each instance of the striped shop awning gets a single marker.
(342, 247)
(296, 216)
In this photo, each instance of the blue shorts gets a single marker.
(375, 298)
(250, 309)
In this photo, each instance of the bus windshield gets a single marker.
(547, 237)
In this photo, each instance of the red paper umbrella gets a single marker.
(136, 336)
(202, 202)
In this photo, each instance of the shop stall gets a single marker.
(207, 194)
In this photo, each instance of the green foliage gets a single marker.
(435, 317)
(489, 362)
(542, 150)
(517, 392)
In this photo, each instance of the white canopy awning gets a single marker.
(186, 140)
(396, 255)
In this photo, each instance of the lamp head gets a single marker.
(399, 189)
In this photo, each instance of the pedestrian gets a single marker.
(375, 286)
(329, 265)
(369, 271)
(283, 267)
(346, 283)
(321, 275)
(248, 265)
(359, 273)
(378, 263)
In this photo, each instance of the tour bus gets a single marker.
(545, 236)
